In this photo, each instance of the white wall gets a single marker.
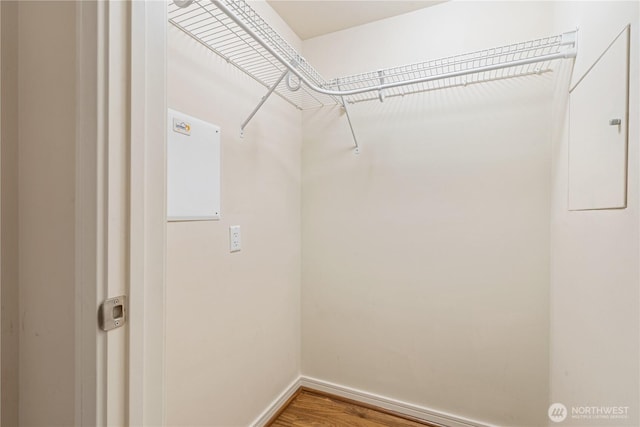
(233, 320)
(439, 267)
(426, 257)
(595, 256)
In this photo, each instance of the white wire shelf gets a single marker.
(514, 60)
(208, 25)
(236, 32)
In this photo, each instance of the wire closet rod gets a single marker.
(291, 67)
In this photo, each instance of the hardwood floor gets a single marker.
(310, 408)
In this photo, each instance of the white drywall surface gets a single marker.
(426, 257)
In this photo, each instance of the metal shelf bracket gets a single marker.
(353, 133)
(261, 103)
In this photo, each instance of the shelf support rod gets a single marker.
(380, 94)
(262, 101)
(353, 133)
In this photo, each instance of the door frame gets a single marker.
(148, 212)
(132, 387)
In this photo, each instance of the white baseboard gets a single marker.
(426, 414)
(433, 416)
(278, 403)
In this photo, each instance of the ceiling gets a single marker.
(311, 18)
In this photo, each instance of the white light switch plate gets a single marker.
(234, 238)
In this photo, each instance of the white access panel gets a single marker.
(598, 124)
(193, 168)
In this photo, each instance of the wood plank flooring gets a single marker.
(310, 408)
